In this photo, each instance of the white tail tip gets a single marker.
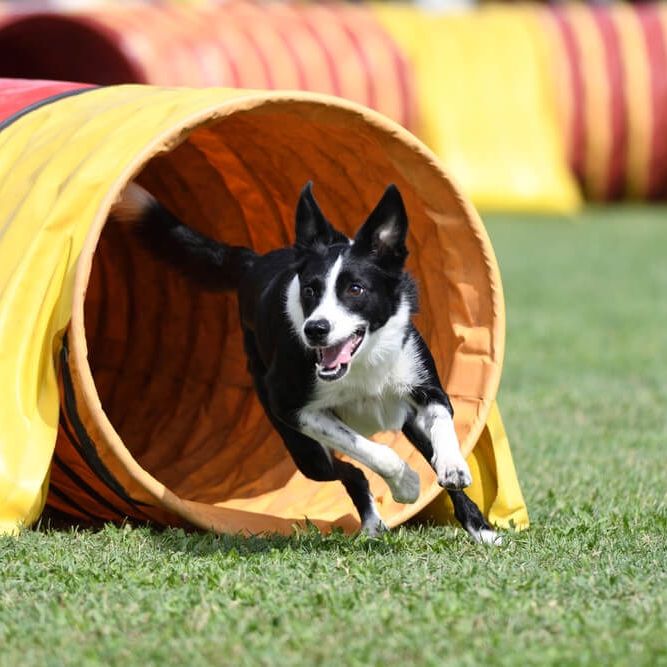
(133, 203)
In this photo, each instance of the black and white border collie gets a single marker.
(331, 346)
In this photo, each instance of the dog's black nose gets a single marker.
(317, 330)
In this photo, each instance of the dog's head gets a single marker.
(347, 290)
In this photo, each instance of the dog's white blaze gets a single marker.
(328, 305)
(343, 322)
(293, 307)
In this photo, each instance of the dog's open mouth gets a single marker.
(334, 361)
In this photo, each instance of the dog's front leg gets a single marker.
(431, 430)
(441, 449)
(325, 427)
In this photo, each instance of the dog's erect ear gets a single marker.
(383, 234)
(311, 225)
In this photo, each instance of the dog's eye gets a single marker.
(355, 289)
(308, 292)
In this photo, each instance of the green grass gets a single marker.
(584, 398)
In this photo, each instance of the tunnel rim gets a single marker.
(169, 140)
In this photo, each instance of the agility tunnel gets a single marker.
(125, 390)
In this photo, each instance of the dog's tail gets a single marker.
(212, 264)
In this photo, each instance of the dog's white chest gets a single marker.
(369, 415)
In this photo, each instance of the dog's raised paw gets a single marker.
(455, 477)
(404, 486)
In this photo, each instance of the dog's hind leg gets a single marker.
(465, 510)
(472, 520)
(357, 487)
(316, 462)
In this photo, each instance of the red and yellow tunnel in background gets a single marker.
(607, 67)
(509, 95)
(128, 384)
(516, 100)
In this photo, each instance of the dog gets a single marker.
(331, 347)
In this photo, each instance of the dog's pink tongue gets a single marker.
(338, 354)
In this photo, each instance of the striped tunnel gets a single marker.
(609, 75)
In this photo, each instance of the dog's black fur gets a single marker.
(294, 362)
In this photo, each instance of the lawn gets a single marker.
(584, 399)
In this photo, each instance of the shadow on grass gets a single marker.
(201, 543)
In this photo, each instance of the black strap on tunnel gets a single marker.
(84, 486)
(42, 103)
(81, 441)
(72, 505)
